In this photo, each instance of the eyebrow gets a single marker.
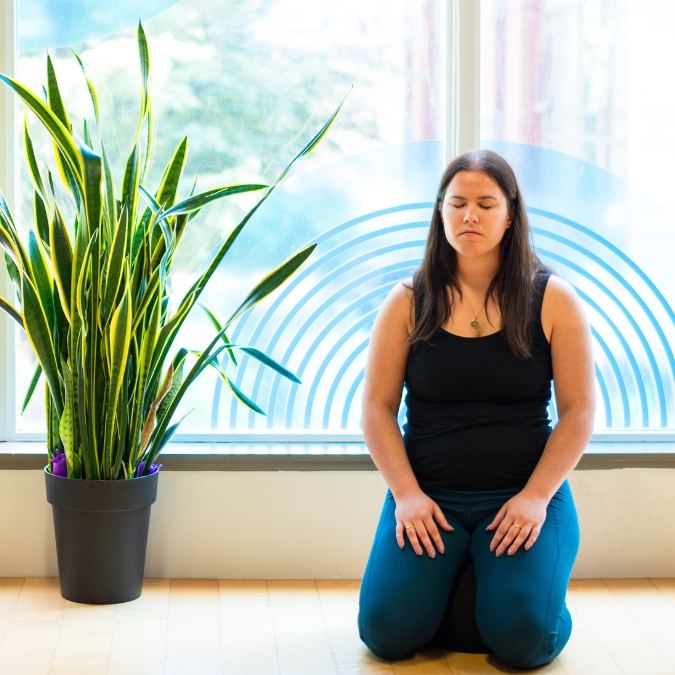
(483, 197)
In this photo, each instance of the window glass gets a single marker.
(573, 94)
(250, 82)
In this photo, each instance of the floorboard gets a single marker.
(300, 627)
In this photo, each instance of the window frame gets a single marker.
(461, 127)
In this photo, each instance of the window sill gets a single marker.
(308, 456)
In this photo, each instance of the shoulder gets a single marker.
(398, 307)
(561, 306)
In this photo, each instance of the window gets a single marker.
(571, 94)
(250, 83)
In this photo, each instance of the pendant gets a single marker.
(474, 324)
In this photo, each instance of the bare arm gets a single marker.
(574, 382)
(385, 374)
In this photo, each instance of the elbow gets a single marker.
(581, 414)
(376, 410)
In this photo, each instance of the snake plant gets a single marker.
(95, 307)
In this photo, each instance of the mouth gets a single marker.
(469, 232)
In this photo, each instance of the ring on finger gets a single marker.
(515, 525)
(409, 527)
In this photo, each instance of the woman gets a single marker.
(477, 336)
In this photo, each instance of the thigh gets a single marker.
(520, 606)
(403, 595)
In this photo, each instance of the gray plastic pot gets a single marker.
(101, 529)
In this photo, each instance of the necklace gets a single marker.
(474, 322)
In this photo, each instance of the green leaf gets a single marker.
(52, 124)
(40, 337)
(149, 423)
(31, 161)
(167, 335)
(202, 362)
(7, 242)
(92, 92)
(144, 57)
(92, 187)
(130, 183)
(170, 330)
(272, 281)
(61, 328)
(89, 458)
(42, 277)
(316, 140)
(41, 218)
(217, 325)
(239, 395)
(152, 203)
(77, 466)
(122, 419)
(7, 224)
(120, 336)
(6, 215)
(114, 269)
(149, 141)
(86, 135)
(199, 200)
(178, 364)
(109, 193)
(179, 226)
(151, 292)
(168, 188)
(12, 311)
(54, 96)
(14, 274)
(80, 298)
(52, 422)
(168, 434)
(61, 252)
(31, 387)
(66, 423)
(271, 363)
(142, 373)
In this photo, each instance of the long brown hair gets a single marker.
(512, 287)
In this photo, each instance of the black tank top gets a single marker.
(477, 415)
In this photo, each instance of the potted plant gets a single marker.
(95, 310)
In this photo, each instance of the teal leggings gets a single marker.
(520, 606)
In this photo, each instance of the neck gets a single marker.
(477, 273)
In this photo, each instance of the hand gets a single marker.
(523, 510)
(422, 513)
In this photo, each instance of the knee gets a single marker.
(521, 640)
(386, 633)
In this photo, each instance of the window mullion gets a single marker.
(8, 184)
(462, 77)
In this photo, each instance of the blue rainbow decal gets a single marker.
(319, 323)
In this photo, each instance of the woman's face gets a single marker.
(475, 214)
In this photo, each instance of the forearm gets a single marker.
(564, 449)
(384, 441)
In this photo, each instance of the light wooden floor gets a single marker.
(195, 626)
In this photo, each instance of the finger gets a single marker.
(440, 519)
(435, 535)
(533, 537)
(503, 528)
(507, 540)
(399, 535)
(423, 536)
(412, 536)
(518, 541)
(497, 519)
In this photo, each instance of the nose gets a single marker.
(470, 215)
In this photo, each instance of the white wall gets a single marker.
(320, 524)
